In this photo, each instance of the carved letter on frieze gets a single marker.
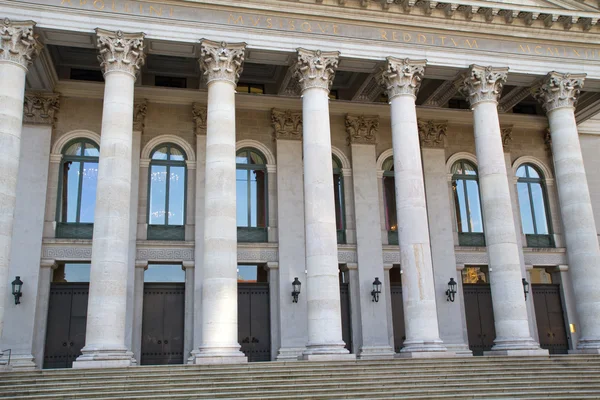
(315, 69)
(18, 44)
(483, 83)
(40, 108)
(220, 61)
(118, 51)
(401, 77)
(560, 90)
(362, 129)
(432, 133)
(507, 138)
(139, 115)
(287, 124)
(199, 116)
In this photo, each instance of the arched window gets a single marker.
(533, 206)
(166, 193)
(389, 199)
(338, 195)
(77, 190)
(465, 186)
(251, 190)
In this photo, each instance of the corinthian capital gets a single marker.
(315, 69)
(400, 77)
(18, 44)
(432, 133)
(483, 83)
(559, 90)
(286, 124)
(120, 51)
(362, 129)
(40, 108)
(222, 61)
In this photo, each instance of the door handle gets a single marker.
(254, 340)
(166, 342)
(246, 340)
(64, 344)
(71, 344)
(160, 342)
(549, 334)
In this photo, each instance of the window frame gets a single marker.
(341, 232)
(249, 233)
(389, 173)
(468, 238)
(536, 239)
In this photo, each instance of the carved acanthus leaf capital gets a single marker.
(483, 83)
(432, 133)
(402, 76)
(18, 44)
(199, 116)
(316, 69)
(506, 132)
(139, 115)
(221, 61)
(287, 124)
(362, 129)
(40, 108)
(560, 90)
(119, 51)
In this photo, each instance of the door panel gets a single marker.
(79, 307)
(398, 316)
(346, 319)
(479, 314)
(550, 318)
(254, 321)
(174, 324)
(244, 317)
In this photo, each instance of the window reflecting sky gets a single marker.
(72, 272)
(161, 273)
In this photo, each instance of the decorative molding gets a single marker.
(391, 255)
(515, 96)
(287, 124)
(289, 85)
(369, 91)
(401, 77)
(257, 254)
(18, 43)
(165, 254)
(382, 157)
(347, 256)
(270, 158)
(538, 258)
(432, 133)
(461, 155)
(362, 129)
(48, 263)
(199, 117)
(220, 61)
(139, 115)
(483, 83)
(559, 90)
(40, 108)
(342, 157)
(445, 91)
(547, 172)
(119, 51)
(75, 252)
(548, 141)
(506, 132)
(315, 69)
(179, 141)
(471, 258)
(60, 143)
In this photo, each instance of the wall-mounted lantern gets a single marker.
(376, 290)
(17, 284)
(525, 287)
(451, 292)
(296, 290)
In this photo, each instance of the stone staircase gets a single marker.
(556, 377)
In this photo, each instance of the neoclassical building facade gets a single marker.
(200, 182)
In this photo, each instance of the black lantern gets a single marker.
(525, 287)
(376, 290)
(296, 292)
(451, 292)
(17, 284)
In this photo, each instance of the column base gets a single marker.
(18, 362)
(460, 350)
(290, 353)
(376, 353)
(192, 358)
(423, 346)
(590, 352)
(588, 346)
(104, 358)
(516, 347)
(327, 352)
(220, 355)
(517, 353)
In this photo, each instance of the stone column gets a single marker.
(188, 335)
(138, 308)
(222, 65)
(558, 96)
(19, 321)
(47, 267)
(18, 47)
(373, 343)
(402, 79)
(314, 71)
(482, 87)
(121, 56)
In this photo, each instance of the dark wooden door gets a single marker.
(480, 317)
(550, 318)
(254, 321)
(67, 317)
(163, 323)
(346, 318)
(398, 316)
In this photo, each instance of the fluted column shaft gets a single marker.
(482, 87)
(558, 95)
(222, 64)
(121, 56)
(402, 78)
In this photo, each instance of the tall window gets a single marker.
(533, 206)
(77, 190)
(166, 193)
(251, 190)
(465, 186)
(338, 193)
(389, 198)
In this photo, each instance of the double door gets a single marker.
(67, 317)
(550, 319)
(480, 317)
(398, 316)
(163, 323)
(254, 322)
(346, 318)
